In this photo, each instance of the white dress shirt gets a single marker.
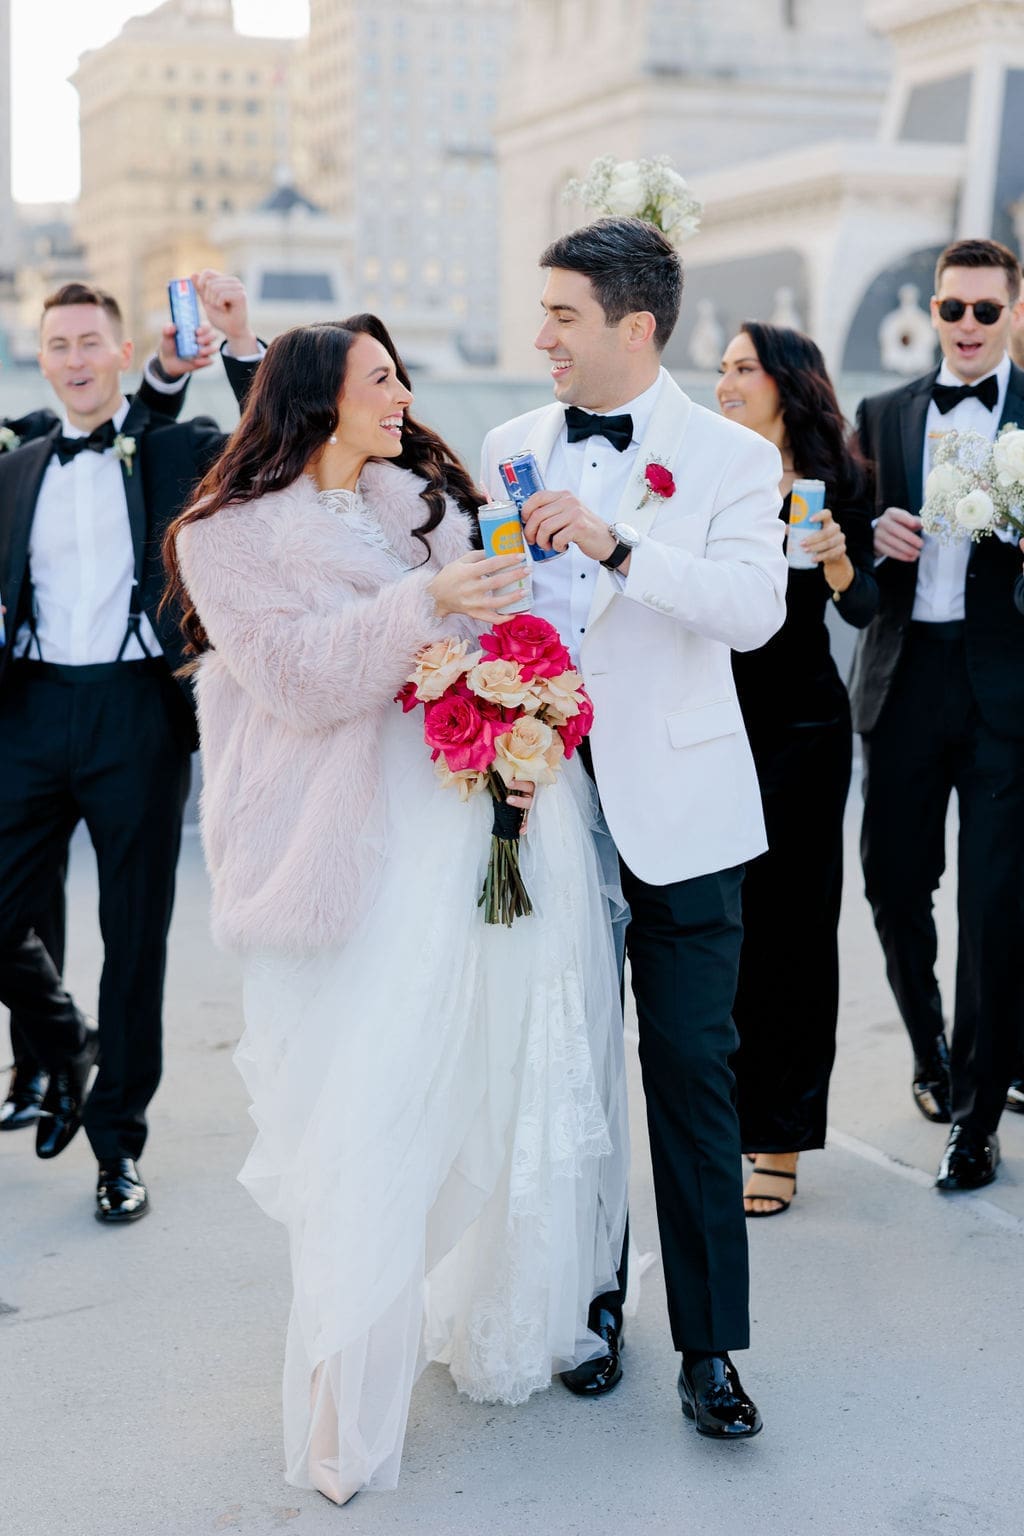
(942, 568)
(597, 473)
(82, 562)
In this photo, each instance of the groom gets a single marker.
(670, 519)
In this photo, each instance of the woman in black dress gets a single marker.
(798, 719)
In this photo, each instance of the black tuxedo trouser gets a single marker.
(930, 739)
(99, 745)
(50, 927)
(683, 943)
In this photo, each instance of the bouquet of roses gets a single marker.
(646, 189)
(975, 487)
(514, 709)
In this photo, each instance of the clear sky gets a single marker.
(47, 37)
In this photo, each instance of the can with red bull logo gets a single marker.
(521, 477)
(501, 533)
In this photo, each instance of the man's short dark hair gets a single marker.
(981, 253)
(631, 266)
(85, 293)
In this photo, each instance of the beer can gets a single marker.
(501, 532)
(806, 501)
(185, 314)
(521, 477)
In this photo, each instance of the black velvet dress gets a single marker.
(798, 719)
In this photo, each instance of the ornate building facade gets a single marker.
(183, 119)
(837, 149)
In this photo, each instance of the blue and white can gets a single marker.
(521, 477)
(806, 502)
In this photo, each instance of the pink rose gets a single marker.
(573, 730)
(532, 643)
(660, 481)
(406, 696)
(459, 732)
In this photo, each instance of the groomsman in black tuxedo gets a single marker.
(93, 724)
(165, 394)
(938, 695)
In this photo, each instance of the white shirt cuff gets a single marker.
(160, 385)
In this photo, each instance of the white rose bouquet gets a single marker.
(646, 189)
(975, 487)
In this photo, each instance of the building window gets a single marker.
(196, 104)
(252, 106)
(226, 205)
(225, 104)
(199, 205)
(196, 168)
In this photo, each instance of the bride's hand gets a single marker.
(520, 794)
(469, 585)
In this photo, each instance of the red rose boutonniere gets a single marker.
(658, 481)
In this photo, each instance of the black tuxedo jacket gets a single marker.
(170, 459)
(891, 429)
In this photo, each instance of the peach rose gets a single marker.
(530, 750)
(500, 682)
(439, 665)
(465, 781)
(558, 695)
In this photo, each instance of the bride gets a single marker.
(440, 1105)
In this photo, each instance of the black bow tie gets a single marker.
(99, 439)
(618, 430)
(946, 396)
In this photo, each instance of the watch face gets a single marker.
(625, 534)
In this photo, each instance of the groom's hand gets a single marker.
(556, 519)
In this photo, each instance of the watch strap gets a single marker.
(617, 556)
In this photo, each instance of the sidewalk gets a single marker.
(140, 1369)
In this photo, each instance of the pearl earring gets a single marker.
(332, 438)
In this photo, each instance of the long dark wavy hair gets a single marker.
(819, 436)
(290, 412)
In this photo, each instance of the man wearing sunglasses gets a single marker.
(938, 695)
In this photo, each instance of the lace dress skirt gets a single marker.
(442, 1124)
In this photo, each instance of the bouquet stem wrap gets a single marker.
(504, 896)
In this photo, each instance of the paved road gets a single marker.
(139, 1369)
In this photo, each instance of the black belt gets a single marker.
(96, 672)
(947, 629)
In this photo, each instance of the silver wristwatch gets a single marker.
(627, 540)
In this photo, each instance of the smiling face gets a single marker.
(970, 349)
(745, 392)
(594, 365)
(82, 356)
(372, 403)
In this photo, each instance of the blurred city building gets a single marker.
(46, 255)
(8, 253)
(290, 255)
(704, 83)
(183, 120)
(396, 139)
(837, 147)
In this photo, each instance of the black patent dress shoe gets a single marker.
(120, 1194)
(24, 1098)
(1015, 1096)
(931, 1087)
(61, 1112)
(595, 1377)
(712, 1395)
(969, 1161)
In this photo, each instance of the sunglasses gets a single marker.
(985, 311)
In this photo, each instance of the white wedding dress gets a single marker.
(442, 1122)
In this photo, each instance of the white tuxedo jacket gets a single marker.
(671, 756)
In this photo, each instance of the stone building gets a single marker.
(395, 138)
(837, 148)
(183, 119)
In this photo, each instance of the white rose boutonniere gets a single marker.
(8, 440)
(124, 449)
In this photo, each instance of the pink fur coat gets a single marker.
(312, 636)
